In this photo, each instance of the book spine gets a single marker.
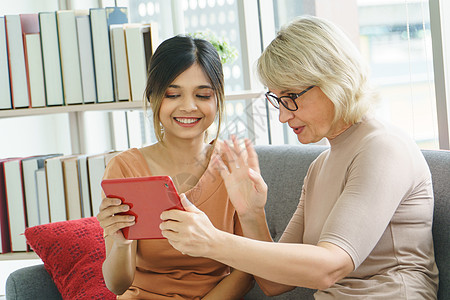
(86, 59)
(102, 55)
(70, 61)
(35, 71)
(120, 63)
(51, 59)
(15, 202)
(5, 237)
(55, 190)
(17, 69)
(5, 91)
(136, 61)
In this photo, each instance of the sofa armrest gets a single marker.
(32, 282)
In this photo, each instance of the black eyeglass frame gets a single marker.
(291, 96)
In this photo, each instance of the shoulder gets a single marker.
(128, 163)
(389, 147)
(384, 137)
(128, 156)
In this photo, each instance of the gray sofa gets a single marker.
(283, 168)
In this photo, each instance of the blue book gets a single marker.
(116, 15)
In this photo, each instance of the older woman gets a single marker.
(362, 229)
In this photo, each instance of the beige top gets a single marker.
(371, 194)
(161, 271)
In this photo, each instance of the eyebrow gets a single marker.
(198, 87)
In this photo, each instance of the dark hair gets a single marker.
(174, 56)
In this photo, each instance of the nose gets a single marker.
(285, 114)
(188, 104)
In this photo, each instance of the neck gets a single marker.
(338, 128)
(184, 152)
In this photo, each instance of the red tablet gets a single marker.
(147, 197)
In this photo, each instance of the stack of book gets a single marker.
(47, 188)
(72, 57)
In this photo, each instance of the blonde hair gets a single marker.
(313, 51)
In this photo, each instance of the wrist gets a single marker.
(253, 215)
(217, 245)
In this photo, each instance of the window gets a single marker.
(394, 37)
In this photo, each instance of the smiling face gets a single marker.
(314, 118)
(189, 106)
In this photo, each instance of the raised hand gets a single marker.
(112, 222)
(239, 169)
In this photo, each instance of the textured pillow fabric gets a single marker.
(73, 253)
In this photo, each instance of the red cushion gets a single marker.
(73, 253)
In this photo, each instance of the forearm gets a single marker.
(309, 266)
(119, 267)
(255, 226)
(234, 286)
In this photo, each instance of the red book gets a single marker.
(147, 197)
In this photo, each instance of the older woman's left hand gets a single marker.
(190, 231)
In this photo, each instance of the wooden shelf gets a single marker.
(122, 105)
(18, 256)
(21, 112)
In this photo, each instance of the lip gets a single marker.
(298, 130)
(176, 119)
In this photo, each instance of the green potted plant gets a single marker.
(227, 53)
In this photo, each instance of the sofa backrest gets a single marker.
(439, 163)
(284, 168)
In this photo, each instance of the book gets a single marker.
(83, 180)
(16, 62)
(5, 239)
(5, 91)
(34, 68)
(147, 197)
(120, 139)
(139, 51)
(119, 63)
(70, 60)
(41, 185)
(51, 59)
(72, 187)
(15, 202)
(135, 130)
(29, 167)
(33, 58)
(96, 164)
(116, 15)
(55, 189)
(86, 59)
(102, 55)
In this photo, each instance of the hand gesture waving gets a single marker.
(239, 169)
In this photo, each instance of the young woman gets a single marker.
(185, 91)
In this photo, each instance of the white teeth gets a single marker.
(186, 121)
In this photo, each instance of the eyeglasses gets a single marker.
(287, 101)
